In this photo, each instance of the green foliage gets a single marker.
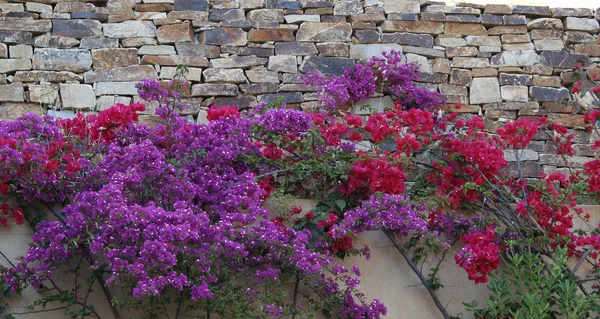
(534, 287)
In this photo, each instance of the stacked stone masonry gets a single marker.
(498, 61)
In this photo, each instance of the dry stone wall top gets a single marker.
(498, 61)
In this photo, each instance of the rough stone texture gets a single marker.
(224, 75)
(582, 24)
(123, 74)
(224, 36)
(499, 61)
(129, 29)
(283, 63)
(77, 28)
(215, 90)
(75, 60)
(324, 32)
(11, 92)
(326, 65)
(515, 58)
(485, 90)
(77, 96)
(366, 51)
(175, 33)
(543, 94)
(112, 57)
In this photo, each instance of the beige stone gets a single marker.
(77, 96)
(175, 33)
(114, 57)
(45, 94)
(11, 92)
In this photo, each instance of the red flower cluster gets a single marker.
(102, 127)
(217, 112)
(376, 175)
(480, 255)
(519, 133)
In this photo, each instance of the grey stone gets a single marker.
(77, 96)
(275, 15)
(195, 49)
(468, 63)
(393, 6)
(116, 88)
(238, 62)
(259, 52)
(582, 24)
(12, 92)
(21, 51)
(227, 15)
(102, 17)
(224, 36)
(299, 18)
(572, 12)
(25, 24)
(485, 90)
(283, 63)
(75, 60)
(549, 45)
(347, 7)
(45, 76)
(464, 18)
(367, 51)
(239, 101)
(16, 37)
(514, 93)
(534, 11)
(326, 65)
(524, 155)
(224, 76)
(58, 42)
(193, 74)
(295, 97)
(419, 40)
(129, 29)
(545, 23)
(138, 42)
(295, 48)
(515, 58)
(45, 94)
(197, 5)
(419, 60)
(514, 20)
(38, 7)
(260, 75)
(544, 94)
(324, 32)
(450, 42)
(121, 74)
(366, 36)
(561, 59)
(261, 88)
(157, 50)
(215, 90)
(515, 79)
(477, 40)
(491, 19)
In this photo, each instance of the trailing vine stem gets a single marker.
(91, 261)
(419, 274)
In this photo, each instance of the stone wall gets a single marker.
(498, 61)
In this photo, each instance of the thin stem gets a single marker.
(415, 269)
(296, 286)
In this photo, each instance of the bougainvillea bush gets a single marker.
(173, 214)
(170, 214)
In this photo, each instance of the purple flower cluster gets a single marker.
(358, 83)
(385, 211)
(355, 84)
(175, 208)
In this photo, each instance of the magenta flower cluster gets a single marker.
(175, 208)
